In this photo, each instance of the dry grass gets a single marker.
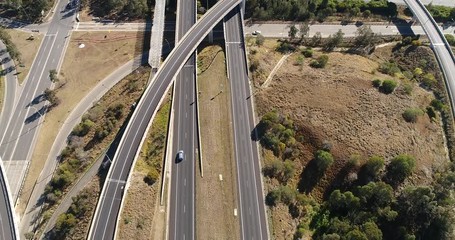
(142, 217)
(93, 150)
(215, 199)
(27, 48)
(266, 55)
(338, 105)
(2, 92)
(82, 69)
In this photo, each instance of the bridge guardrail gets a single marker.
(447, 45)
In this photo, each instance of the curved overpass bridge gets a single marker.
(104, 223)
(439, 44)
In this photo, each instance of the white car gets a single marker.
(180, 156)
(256, 32)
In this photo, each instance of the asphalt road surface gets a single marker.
(11, 85)
(18, 141)
(7, 224)
(182, 202)
(253, 219)
(445, 59)
(281, 30)
(104, 222)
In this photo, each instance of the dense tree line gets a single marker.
(28, 10)
(442, 13)
(122, 8)
(315, 9)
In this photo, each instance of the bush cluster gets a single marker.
(276, 132)
(320, 62)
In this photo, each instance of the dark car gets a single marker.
(179, 156)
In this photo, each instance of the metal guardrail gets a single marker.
(447, 45)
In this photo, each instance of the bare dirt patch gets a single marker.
(28, 49)
(215, 199)
(142, 216)
(338, 106)
(82, 69)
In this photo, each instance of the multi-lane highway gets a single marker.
(182, 201)
(253, 219)
(18, 140)
(11, 86)
(8, 229)
(442, 51)
(107, 210)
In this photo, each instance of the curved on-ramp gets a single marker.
(103, 225)
(439, 44)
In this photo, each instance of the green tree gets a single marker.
(316, 39)
(333, 41)
(356, 234)
(343, 203)
(372, 231)
(50, 95)
(323, 160)
(292, 31)
(375, 196)
(417, 207)
(400, 168)
(304, 29)
(65, 222)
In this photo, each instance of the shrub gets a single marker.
(287, 195)
(254, 65)
(400, 168)
(152, 176)
(321, 62)
(323, 160)
(418, 71)
(412, 114)
(416, 43)
(450, 39)
(373, 166)
(307, 52)
(428, 80)
(390, 68)
(260, 40)
(377, 83)
(285, 47)
(299, 61)
(388, 86)
(273, 197)
(431, 112)
(407, 88)
(438, 105)
(83, 128)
